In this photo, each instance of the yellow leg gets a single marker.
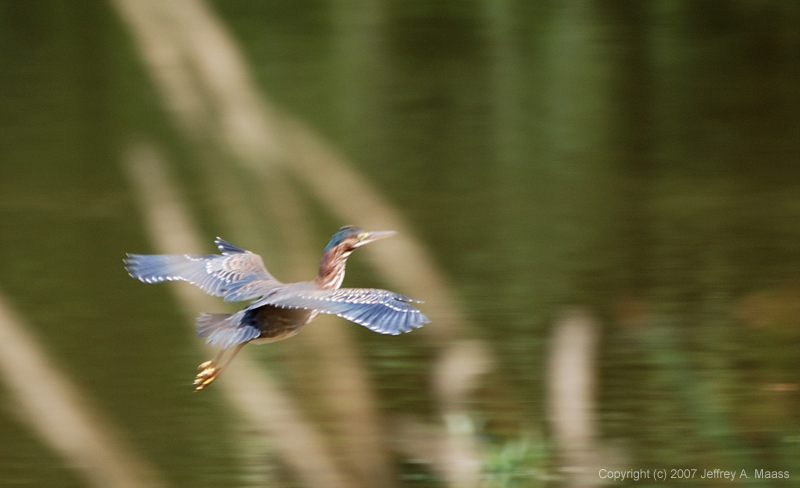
(209, 370)
(211, 362)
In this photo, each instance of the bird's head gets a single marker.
(351, 237)
(331, 266)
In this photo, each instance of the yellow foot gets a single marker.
(208, 373)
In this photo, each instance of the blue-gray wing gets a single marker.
(225, 330)
(236, 274)
(379, 310)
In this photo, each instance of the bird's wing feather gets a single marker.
(226, 330)
(235, 275)
(379, 310)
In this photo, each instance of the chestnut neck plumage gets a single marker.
(331, 268)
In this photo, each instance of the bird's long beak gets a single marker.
(368, 237)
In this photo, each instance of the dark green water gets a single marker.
(642, 161)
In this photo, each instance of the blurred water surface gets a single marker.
(640, 160)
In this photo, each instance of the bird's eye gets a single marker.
(362, 236)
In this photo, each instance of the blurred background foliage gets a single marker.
(639, 159)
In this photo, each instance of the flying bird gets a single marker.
(278, 310)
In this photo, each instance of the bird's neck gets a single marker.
(331, 269)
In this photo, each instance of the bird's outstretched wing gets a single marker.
(236, 274)
(379, 310)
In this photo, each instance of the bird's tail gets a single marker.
(225, 329)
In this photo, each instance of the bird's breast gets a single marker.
(277, 323)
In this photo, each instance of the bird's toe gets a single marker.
(208, 373)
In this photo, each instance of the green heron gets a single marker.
(279, 310)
